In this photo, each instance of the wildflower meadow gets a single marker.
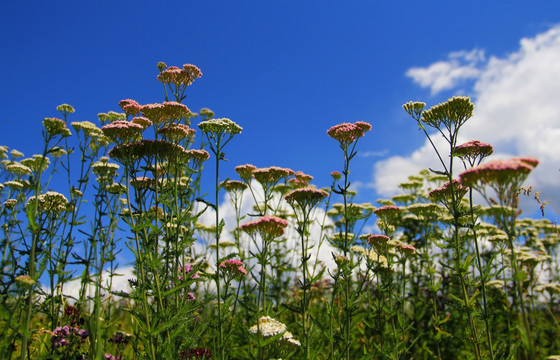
(112, 248)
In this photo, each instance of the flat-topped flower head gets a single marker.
(377, 240)
(267, 227)
(165, 112)
(270, 176)
(219, 126)
(130, 107)
(300, 180)
(104, 170)
(176, 132)
(18, 169)
(122, 131)
(147, 149)
(37, 162)
(387, 211)
(452, 114)
(336, 175)
(179, 77)
(499, 172)
(406, 249)
(142, 121)
(414, 108)
(89, 128)
(444, 193)
(65, 109)
(206, 113)
(306, 198)
(245, 172)
(55, 126)
(347, 133)
(49, 202)
(234, 186)
(268, 327)
(473, 151)
(233, 268)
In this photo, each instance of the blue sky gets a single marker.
(287, 71)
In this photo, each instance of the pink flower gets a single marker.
(499, 172)
(406, 249)
(271, 175)
(347, 133)
(122, 131)
(307, 198)
(473, 151)
(245, 172)
(444, 193)
(377, 239)
(387, 211)
(130, 107)
(233, 268)
(266, 226)
(165, 112)
(336, 175)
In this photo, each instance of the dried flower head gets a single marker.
(378, 240)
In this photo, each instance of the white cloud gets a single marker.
(516, 110)
(444, 75)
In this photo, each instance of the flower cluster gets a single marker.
(216, 127)
(180, 77)
(245, 172)
(65, 109)
(55, 126)
(130, 107)
(37, 163)
(122, 131)
(473, 151)
(164, 112)
(49, 202)
(233, 268)
(268, 327)
(89, 128)
(445, 192)
(307, 197)
(266, 226)
(64, 335)
(499, 172)
(452, 114)
(104, 170)
(269, 176)
(176, 132)
(300, 180)
(387, 211)
(414, 109)
(134, 151)
(347, 133)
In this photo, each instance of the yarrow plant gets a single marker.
(440, 277)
